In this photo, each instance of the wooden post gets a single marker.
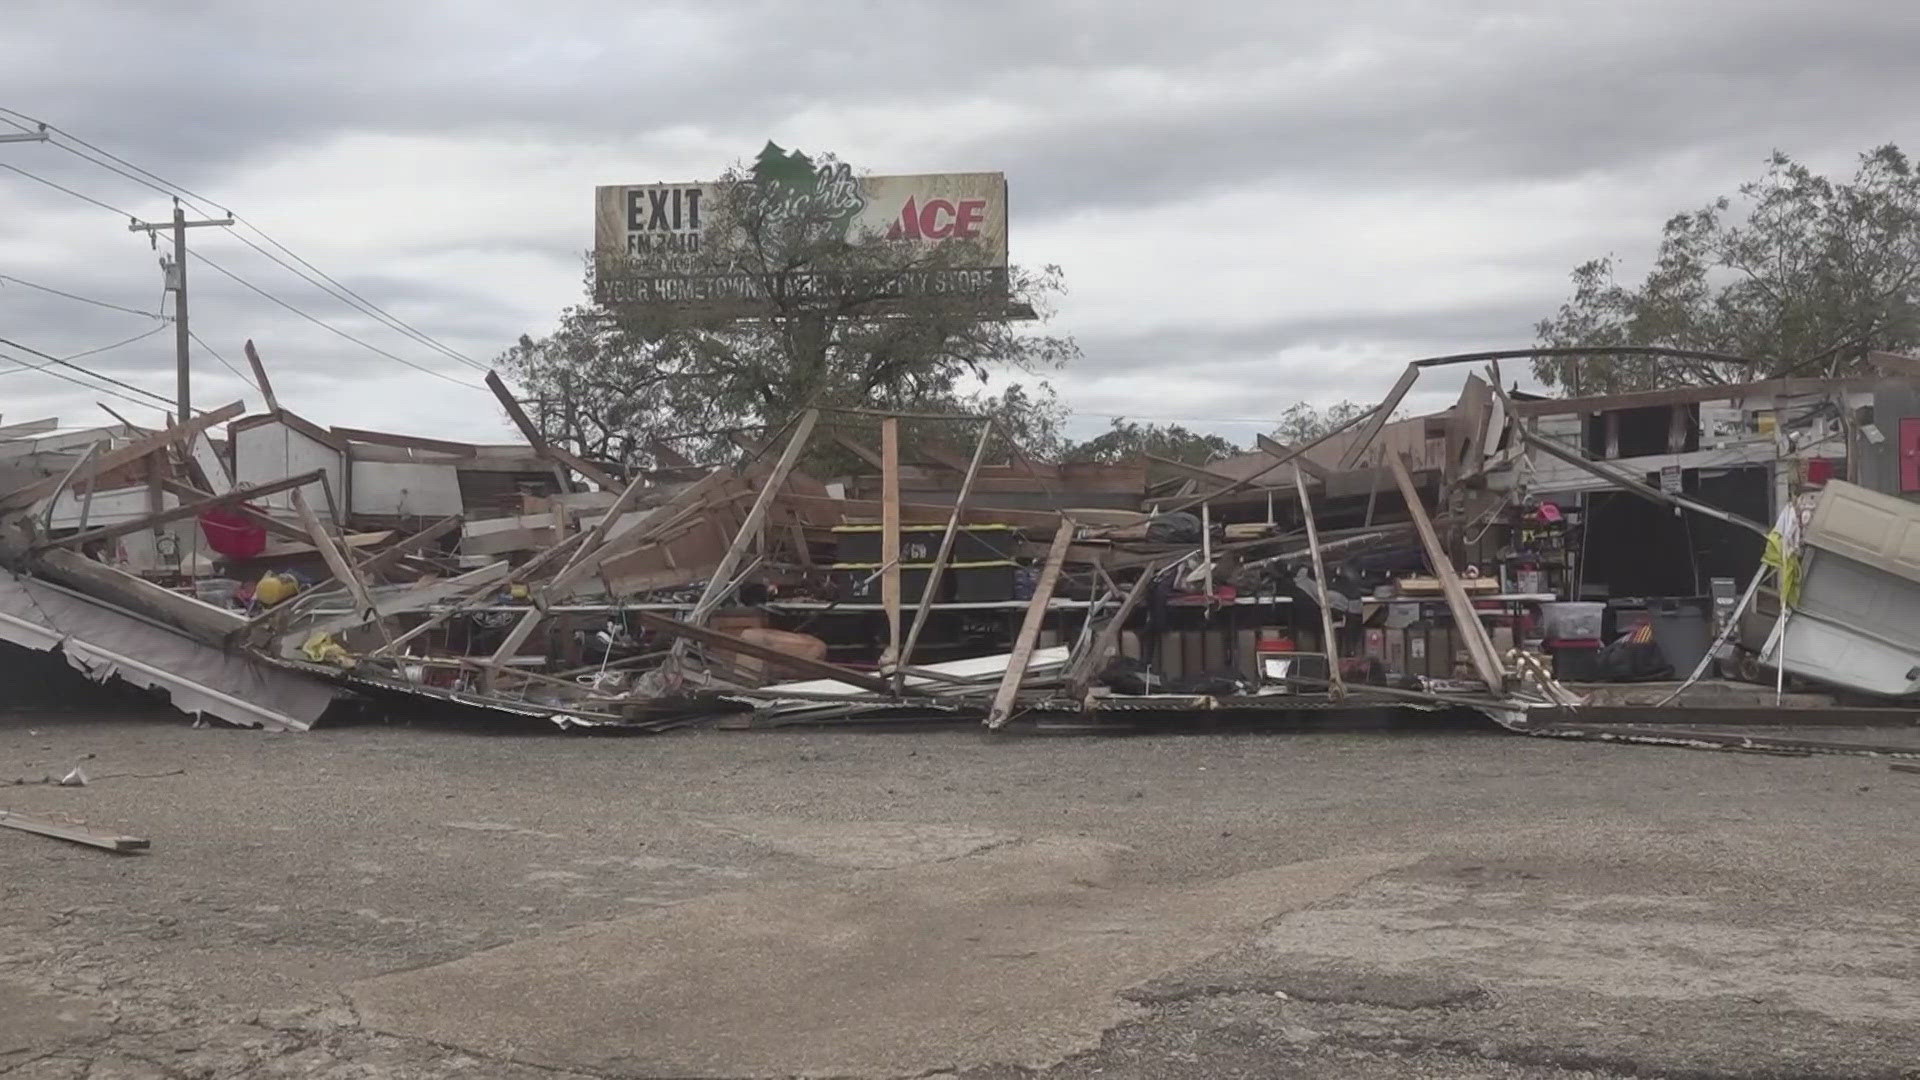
(939, 568)
(1336, 686)
(890, 536)
(1206, 539)
(1002, 708)
(1466, 619)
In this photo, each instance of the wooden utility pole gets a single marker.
(177, 284)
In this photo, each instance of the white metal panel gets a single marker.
(110, 507)
(1831, 653)
(418, 490)
(264, 453)
(1869, 527)
(1861, 597)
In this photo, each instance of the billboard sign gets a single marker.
(675, 245)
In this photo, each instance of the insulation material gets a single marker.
(104, 642)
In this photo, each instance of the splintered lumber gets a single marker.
(1336, 687)
(945, 553)
(407, 442)
(799, 665)
(186, 510)
(1088, 666)
(260, 376)
(1467, 624)
(78, 834)
(126, 455)
(335, 559)
(769, 490)
(392, 555)
(1279, 459)
(1280, 450)
(1378, 418)
(1191, 472)
(1029, 635)
(539, 442)
(890, 535)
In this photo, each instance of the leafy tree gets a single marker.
(1303, 422)
(1804, 273)
(816, 312)
(1125, 440)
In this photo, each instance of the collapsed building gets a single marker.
(1512, 554)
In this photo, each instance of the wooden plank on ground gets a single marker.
(79, 834)
(1467, 625)
(389, 557)
(1029, 634)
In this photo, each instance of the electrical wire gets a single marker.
(78, 297)
(325, 283)
(329, 326)
(141, 336)
(255, 288)
(237, 373)
(64, 362)
(45, 369)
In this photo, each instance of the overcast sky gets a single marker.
(1254, 203)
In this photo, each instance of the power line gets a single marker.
(250, 285)
(76, 296)
(237, 373)
(68, 190)
(329, 326)
(325, 283)
(43, 369)
(63, 362)
(105, 348)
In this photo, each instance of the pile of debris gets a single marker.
(260, 574)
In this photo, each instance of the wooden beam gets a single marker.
(859, 450)
(185, 510)
(1274, 449)
(260, 376)
(1379, 418)
(114, 459)
(387, 558)
(890, 536)
(539, 442)
(1467, 625)
(769, 490)
(1336, 686)
(1190, 472)
(797, 664)
(78, 834)
(1023, 643)
(668, 456)
(407, 442)
(940, 558)
(266, 521)
(335, 559)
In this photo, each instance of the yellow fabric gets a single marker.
(1787, 564)
(322, 649)
(274, 588)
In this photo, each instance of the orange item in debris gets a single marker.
(232, 534)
